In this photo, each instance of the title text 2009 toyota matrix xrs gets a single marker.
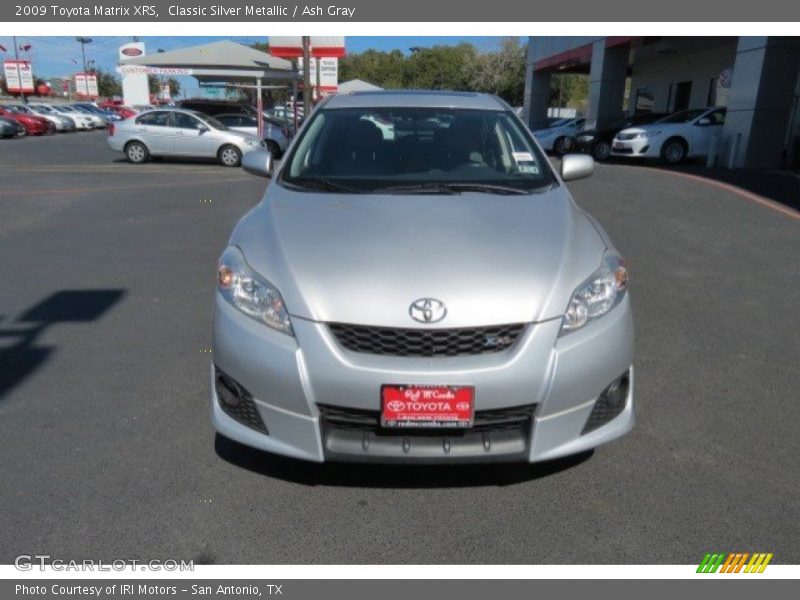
(417, 285)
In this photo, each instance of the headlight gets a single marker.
(597, 295)
(252, 142)
(648, 134)
(250, 293)
(585, 138)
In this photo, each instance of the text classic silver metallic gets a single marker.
(417, 285)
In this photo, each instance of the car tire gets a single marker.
(273, 148)
(601, 151)
(136, 152)
(562, 145)
(229, 156)
(673, 151)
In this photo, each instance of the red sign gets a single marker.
(322, 46)
(131, 51)
(427, 406)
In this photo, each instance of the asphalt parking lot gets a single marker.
(107, 449)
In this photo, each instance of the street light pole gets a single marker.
(306, 76)
(83, 41)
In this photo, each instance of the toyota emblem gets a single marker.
(427, 310)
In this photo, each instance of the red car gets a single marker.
(126, 112)
(33, 125)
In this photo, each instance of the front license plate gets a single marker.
(619, 146)
(427, 406)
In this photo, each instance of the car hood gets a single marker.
(239, 134)
(365, 258)
(664, 127)
(555, 131)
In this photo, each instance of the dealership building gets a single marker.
(756, 78)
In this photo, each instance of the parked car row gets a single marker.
(670, 138)
(37, 118)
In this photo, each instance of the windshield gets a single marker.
(399, 149)
(683, 116)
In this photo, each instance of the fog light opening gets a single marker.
(609, 404)
(237, 403)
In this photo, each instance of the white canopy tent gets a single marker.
(357, 85)
(222, 62)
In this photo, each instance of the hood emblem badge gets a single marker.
(427, 310)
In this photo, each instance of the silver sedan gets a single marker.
(174, 132)
(430, 296)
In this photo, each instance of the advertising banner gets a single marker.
(80, 84)
(328, 73)
(18, 75)
(91, 85)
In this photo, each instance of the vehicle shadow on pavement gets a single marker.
(25, 355)
(379, 476)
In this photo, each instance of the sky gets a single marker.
(60, 56)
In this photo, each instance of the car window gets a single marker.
(158, 119)
(369, 149)
(184, 121)
(683, 116)
(717, 117)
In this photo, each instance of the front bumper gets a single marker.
(295, 381)
(636, 148)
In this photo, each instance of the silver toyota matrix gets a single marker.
(417, 285)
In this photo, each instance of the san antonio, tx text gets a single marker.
(129, 589)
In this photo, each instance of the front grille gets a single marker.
(359, 419)
(350, 434)
(619, 150)
(426, 342)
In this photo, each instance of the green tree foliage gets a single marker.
(385, 69)
(108, 84)
(461, 67)
(174, 86)
(570, 90)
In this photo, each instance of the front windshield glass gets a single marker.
(399, 149)
(683, 116)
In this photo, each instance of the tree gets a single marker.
(174, 86)
(108, 85)
(500, 72)
(381, 68)
(570, 90)
(439, 67)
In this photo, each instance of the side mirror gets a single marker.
(202, 129)
(576, 166)
(258, 162)
(704, 121)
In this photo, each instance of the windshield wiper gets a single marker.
(322, 184)
(491, 188)
(417, 188)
